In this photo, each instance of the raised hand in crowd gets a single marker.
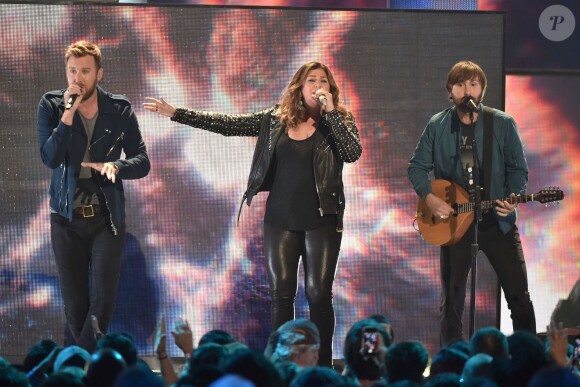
(96, 329)
(160, 348)
(183, 337)
(558, 337)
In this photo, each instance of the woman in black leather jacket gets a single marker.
(303, 142)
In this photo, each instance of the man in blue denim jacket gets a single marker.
(81, 132)
(439, 149)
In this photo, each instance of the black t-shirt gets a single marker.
(466, 149)
(293, 202)
(88, 190)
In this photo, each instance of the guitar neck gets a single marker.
(446, 232)
(488, 204)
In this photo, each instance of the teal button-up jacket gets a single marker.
(438, 151)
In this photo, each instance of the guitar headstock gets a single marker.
(549, 195)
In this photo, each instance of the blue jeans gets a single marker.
(88, 260)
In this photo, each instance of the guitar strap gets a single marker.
(487, 150)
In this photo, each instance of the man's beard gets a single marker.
(462, 105)
(89, 93)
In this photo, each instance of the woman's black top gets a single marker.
(293, 203)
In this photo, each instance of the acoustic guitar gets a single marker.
(446, 232)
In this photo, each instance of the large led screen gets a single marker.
(186, 256)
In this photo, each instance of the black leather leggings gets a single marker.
(319, 249)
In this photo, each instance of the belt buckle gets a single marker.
(88, 211)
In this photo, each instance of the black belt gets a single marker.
(90, 211)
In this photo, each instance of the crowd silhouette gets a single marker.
(371, 358)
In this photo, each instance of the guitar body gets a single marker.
(444, 232)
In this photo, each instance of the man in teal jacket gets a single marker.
(443, 148)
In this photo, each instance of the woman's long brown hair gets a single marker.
(290, 109)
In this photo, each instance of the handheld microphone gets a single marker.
(71, 101)
(322, 100)
(470, 105)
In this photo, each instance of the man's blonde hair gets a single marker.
(84, 48)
